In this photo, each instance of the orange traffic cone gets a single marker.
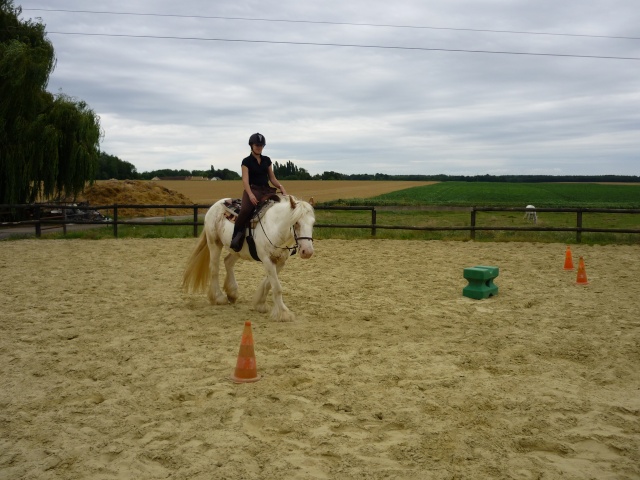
(582, 273)
(246, 369)
(568, 260)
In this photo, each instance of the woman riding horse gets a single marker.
(285, 227)
(257, 170)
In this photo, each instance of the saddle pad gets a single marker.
(232, 208)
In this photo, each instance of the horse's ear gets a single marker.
(292, 202)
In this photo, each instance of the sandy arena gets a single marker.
(109, 371)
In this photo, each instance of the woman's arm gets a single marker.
(246, 186)
(274, 180)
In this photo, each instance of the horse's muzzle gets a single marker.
(305, 246)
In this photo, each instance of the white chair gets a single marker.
(531, 214)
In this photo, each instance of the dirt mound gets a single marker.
(136, 192)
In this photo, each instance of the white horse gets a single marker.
(531, 214)
(283, 227)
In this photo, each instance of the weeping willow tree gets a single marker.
(49, 144)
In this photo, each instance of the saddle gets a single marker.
(232, 209)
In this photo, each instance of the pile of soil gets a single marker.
(136, 192)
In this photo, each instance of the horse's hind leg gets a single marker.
(230, 284)
(215, 295)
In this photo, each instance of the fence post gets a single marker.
(473, 223)
(579, 225)
(115, 220)
(64, 220)
(373, 222)
(38, 225)
(195, 221)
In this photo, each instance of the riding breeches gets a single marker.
(247, 208)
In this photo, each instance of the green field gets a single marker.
(493, 194)
(468, 194)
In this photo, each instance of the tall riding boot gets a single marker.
(238, 238)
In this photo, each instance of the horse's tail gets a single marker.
(196, 276)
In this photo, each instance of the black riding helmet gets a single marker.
(257, 139)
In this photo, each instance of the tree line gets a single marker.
(113, 167)
(483, 178)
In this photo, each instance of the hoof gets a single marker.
(219, 299)
(261, 307)
(232, 295)
(283, 316)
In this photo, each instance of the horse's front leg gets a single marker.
(215, 295)
(279, 312)
(260, 298)
(230, 284)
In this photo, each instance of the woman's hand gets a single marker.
(282, 190)
(253, 198)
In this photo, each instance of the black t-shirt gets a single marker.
(258, 172)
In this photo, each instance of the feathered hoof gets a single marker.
(232, 295)
(218, 299)
(283, 316)
(261, 307)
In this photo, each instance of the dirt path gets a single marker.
(110, 372)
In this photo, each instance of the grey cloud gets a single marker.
(189, 103)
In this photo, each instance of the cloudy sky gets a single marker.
(460, 87)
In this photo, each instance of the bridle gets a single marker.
(296, 238)
(293, 249)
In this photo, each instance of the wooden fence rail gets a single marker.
(63, 220)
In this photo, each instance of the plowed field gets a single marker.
(321, 190)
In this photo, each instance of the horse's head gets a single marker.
(303, 219)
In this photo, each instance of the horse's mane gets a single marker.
(299, 210)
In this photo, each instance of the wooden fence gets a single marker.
(38, 221)
(473, 228)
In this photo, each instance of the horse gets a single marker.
(281, 229)
(531, 214)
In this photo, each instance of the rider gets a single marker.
(257, 171)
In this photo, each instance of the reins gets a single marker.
(293, 249)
